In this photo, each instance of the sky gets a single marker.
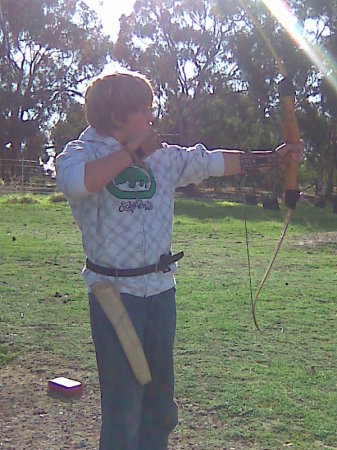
(109, 12)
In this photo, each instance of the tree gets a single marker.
(46, 53)
(201, 59)
(321, 112)
(184, 47)
(68, 127)
(216, 79)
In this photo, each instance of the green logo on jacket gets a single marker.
(134, 183)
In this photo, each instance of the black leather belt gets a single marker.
(162, 266)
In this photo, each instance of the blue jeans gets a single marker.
(136, 417)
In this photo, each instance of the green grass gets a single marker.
(236, 386)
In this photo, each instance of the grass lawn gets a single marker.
(236, 388)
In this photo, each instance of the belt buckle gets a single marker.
(162, 264)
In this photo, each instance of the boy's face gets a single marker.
(138, 123)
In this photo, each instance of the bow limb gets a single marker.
(270, 265)
(291, 135)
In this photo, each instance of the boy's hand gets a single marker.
(289, 153)
(151, 143)
(284, 155)
(144, 145)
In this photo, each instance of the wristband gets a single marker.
(140, 153)
(136, 156)
(250, 161)
(130, 152)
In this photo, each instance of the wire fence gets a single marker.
(28, 189)
(26, 176)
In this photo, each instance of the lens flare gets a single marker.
(317, 54)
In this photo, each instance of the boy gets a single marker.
(120, 182)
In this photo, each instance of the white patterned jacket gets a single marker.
(128, 224)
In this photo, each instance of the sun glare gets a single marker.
(319, 56)
(109, 12)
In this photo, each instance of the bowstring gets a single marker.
(242, 188)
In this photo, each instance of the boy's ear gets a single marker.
(115, 122)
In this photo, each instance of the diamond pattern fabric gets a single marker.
(128, 224)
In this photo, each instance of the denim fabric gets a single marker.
(136, 417)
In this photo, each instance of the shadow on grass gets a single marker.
(305, 215)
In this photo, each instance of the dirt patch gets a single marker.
(318, 240)
(30, 419)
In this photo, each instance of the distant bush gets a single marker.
(27, 198)
(57, 198)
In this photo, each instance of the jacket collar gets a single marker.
(91, 135)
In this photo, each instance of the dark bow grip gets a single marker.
(291, 135)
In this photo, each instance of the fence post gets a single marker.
(22, 171)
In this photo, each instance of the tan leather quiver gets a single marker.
(108, 296)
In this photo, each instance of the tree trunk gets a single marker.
(14, 166)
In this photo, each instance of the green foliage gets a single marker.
(6, 355)
(57, 198)
(186, 53)
(68, 128)
(46, 51)
(216, 79)
(27, 198)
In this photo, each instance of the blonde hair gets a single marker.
(116, 96)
